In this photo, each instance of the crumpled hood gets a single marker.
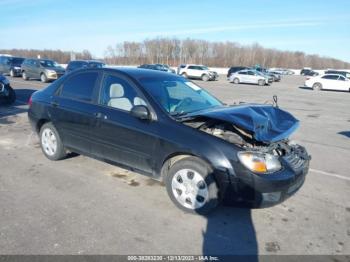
(267, 123)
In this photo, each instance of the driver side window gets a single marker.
(118, 93)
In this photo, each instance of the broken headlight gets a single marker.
(259, 162)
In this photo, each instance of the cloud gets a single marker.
(232, 28)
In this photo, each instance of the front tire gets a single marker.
(51, 143)
(24, 76)
(317, 86)
(191, 186)
(184, 75)
(261, 82)
(205, 78)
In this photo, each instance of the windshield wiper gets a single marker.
(178, 114)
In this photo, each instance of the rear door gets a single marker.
(72, 110)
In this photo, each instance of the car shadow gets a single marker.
(345, 133)
(18, 107)
(23, 95)
(230, 232)
(305, 88)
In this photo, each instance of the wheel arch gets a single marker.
(40, 123)
(171, 159)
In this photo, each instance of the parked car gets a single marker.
(7, 94)
(338, 72)
(276, 77)
(235, 69)
(308, 72)
(197, 72)
(77, 64)
(172, 130)
(159, 67)
(282, 71)
(44, 69)
(250, 76)
(10, 65)
(328, 82)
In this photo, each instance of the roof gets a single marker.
(136, 73)
(88, 61)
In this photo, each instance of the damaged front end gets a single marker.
(270, 167)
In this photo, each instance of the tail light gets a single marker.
(30, 101)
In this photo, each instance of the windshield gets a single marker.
(179, 96)
(16, 61)
(259, 73)
(48, 63)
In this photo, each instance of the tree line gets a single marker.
(174, 51)
(60, 56)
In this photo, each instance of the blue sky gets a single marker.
(313, 26)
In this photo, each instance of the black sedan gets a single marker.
(7, 94)
(172, 130)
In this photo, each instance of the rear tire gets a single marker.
(236, 81)
(191, 186)
(317, 86)
(12, 73)
(11, 98)
(51, 143)
(24, 76)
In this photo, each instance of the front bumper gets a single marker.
(270, 189)
(54, 76)
(17, 71)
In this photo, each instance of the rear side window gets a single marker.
(331, 77)
(192, 67)
(80, 87)
(242, 73)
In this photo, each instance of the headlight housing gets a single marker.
(261, 163)
(50, 72)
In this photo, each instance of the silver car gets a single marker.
(250, 77)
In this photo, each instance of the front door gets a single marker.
(117, 135)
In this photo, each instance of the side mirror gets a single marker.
(141, 112)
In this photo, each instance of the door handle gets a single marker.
(55, 104)
(100, 116)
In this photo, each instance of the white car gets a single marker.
(197, 72)
(328, 82)
(250, 77)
